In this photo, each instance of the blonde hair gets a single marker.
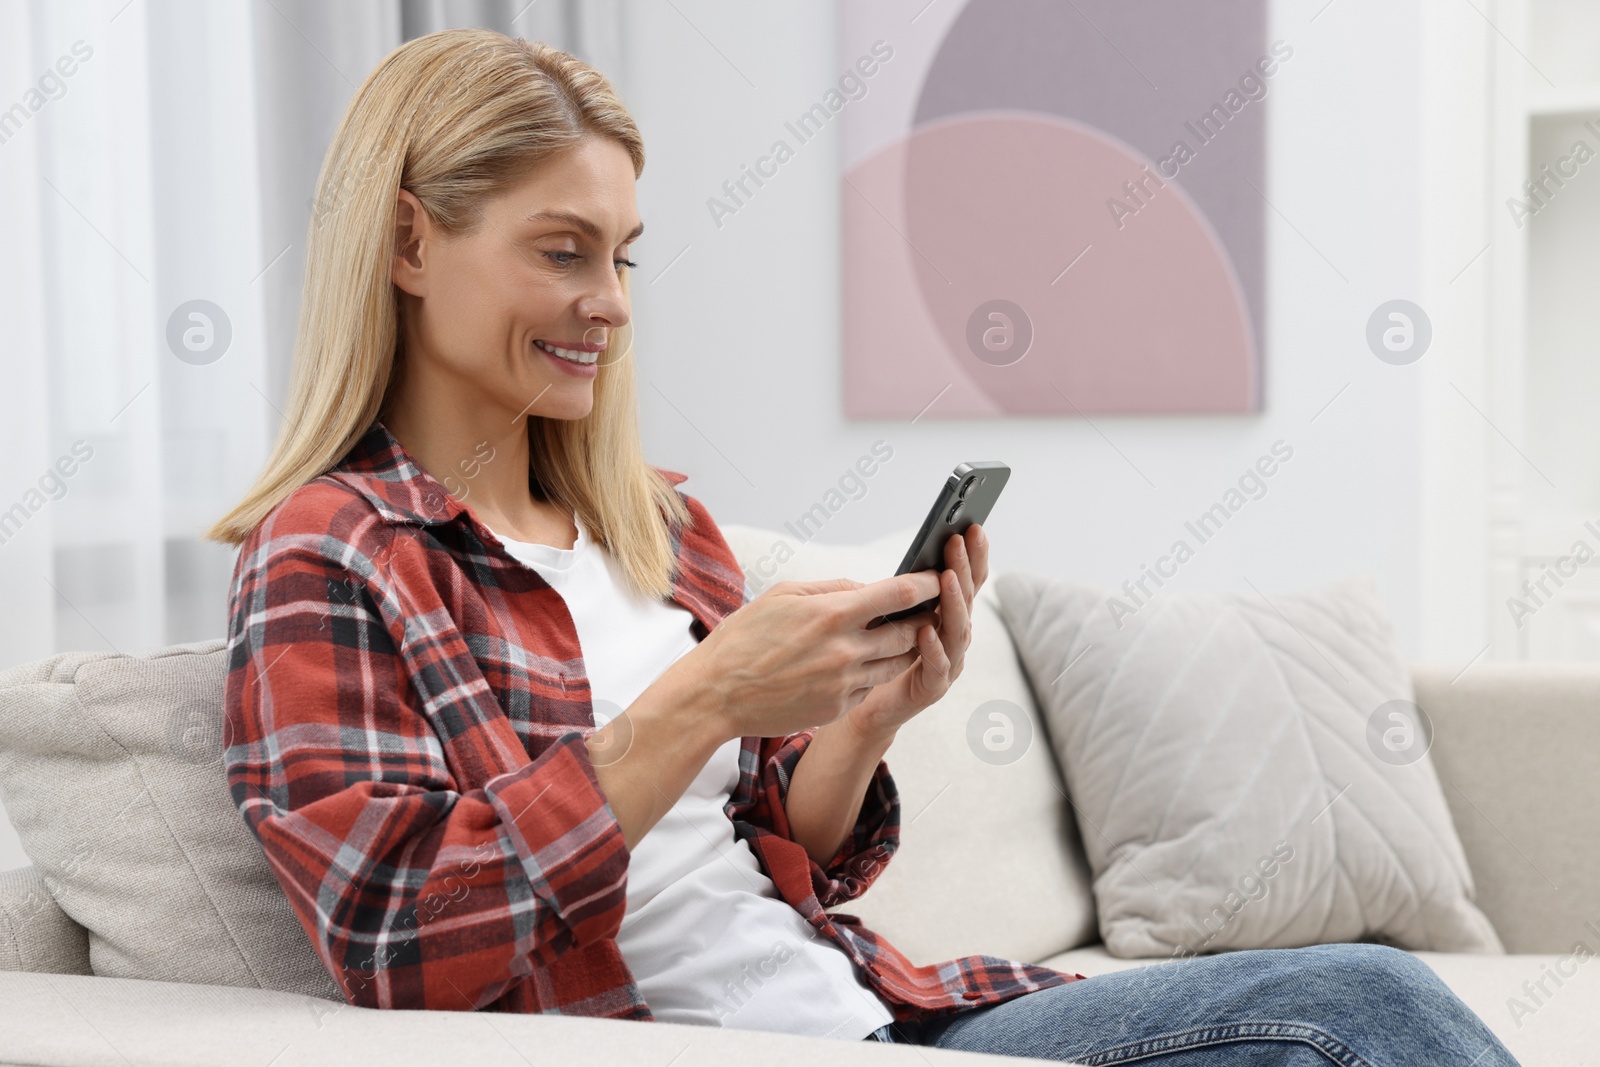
(456, 117)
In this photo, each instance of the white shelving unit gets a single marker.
(1544, 499)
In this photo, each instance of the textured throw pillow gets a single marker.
(1247, 772)
(111, 770)
(989, 859)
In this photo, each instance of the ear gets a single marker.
(413, 232)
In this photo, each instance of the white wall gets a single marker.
(739, 339)
(1457, 212)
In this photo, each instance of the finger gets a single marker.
(978, 551)
(831, 585)
(955, 617)
(895, 636)
(891, 595)
(885, 670)
(935, 664)
(955, 554)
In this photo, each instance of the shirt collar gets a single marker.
(379, 468)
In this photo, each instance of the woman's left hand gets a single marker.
(942, 650)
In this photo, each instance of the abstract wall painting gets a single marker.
(1055, 207)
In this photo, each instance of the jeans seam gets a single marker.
(1326, 1043)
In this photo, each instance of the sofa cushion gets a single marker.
(989, 860)
(111, 770)
(177, 1025)
(1248, 772)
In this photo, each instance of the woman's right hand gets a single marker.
(800, 654)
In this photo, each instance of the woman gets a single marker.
(457, 565)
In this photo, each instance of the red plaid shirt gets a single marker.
(407, 709)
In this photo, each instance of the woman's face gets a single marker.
(541, 271)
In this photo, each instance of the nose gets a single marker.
(604, 311)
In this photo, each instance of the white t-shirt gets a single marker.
(707, 936)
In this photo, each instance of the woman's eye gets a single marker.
(570, 256)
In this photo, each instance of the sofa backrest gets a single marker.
(1514, 745)
(990, 859)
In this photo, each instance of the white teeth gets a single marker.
(568, 354)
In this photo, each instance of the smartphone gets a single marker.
(967, 497)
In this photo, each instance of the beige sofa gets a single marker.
(990, 862)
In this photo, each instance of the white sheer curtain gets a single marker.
(82, 559)
(157, 166)
(174, 164)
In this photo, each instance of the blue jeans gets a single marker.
(1355, 1005)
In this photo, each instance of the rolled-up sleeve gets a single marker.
(415, 893)
(865, 850)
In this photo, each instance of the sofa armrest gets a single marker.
(1515, 747)
(35, 934)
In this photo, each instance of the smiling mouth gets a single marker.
(571, 355)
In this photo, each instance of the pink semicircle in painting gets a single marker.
(1149, 319)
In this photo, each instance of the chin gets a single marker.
(563, 408)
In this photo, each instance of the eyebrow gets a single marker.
(579, 223)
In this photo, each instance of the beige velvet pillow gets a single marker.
(989, 859)
(1248, 773)
(111, 770)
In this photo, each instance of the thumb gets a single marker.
(831, 585)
